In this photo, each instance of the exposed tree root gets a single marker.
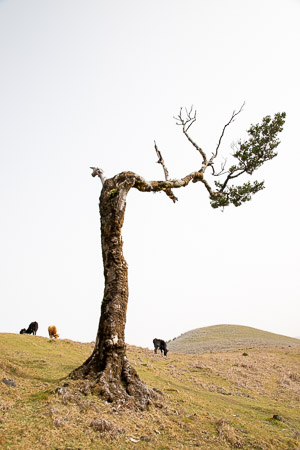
(125, 388)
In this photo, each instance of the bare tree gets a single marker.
(108, 370)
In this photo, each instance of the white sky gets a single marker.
(93, 83)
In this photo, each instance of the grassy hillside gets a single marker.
(212, 401)
(220, 338)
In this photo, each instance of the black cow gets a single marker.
(32, 329)
(159, 343)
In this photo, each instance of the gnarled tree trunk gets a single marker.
(108, 368)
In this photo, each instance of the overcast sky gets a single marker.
(94, 83)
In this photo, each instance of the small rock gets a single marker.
(145, 438)
(134, 440)
(157, 432)
(9, 382)
(58, 422)
(52, 411)
(61, 390)
(86, 390)
(103, 425)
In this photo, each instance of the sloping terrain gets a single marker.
(212, 401)
(220, 338)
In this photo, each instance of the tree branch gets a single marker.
(186, 123)
(156, 186)
(250, 155)
(98, 173)
(230, 176)
(232, 118)
(161, 161)
(222, 171)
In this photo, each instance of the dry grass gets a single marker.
(218, 338)
(212, 401)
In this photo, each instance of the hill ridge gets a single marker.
(224, 337)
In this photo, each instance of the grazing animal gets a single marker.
(52, 332)
(32, 329)
(161, 345)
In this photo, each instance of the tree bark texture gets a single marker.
(108, 368)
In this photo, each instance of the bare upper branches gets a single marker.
(232, 118)
(249, 156)
(187, 119)
(186, 122)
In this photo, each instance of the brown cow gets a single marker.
(52, 332)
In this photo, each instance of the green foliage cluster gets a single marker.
(250, 155)
(260, 147)
(236, 194)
